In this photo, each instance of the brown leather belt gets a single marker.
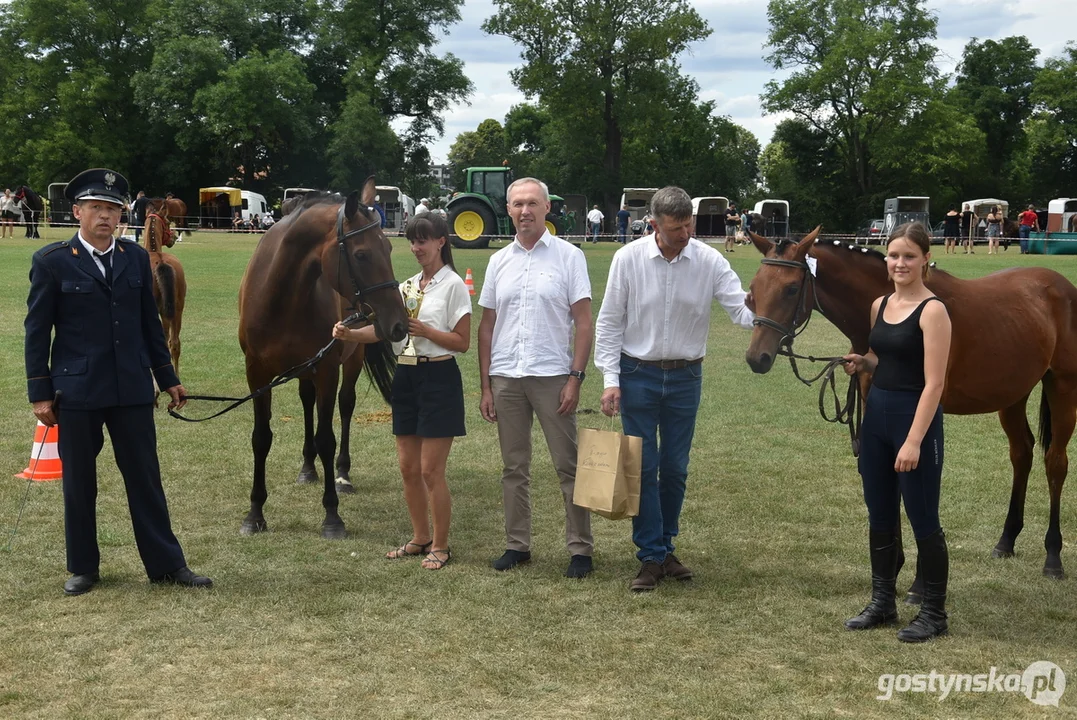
(665, 364)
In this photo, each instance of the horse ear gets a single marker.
(351, 204)
(369, 191)
(761, 243)
(806, 243)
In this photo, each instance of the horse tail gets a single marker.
(381, 367)
(166, 279)
(1045, 415)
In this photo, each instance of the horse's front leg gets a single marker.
(308, 474)
(1015, 423)
(346, 405)
(325, 382)
(261, 442)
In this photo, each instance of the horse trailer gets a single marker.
(709, 216)
(1062, 215)
(60, 212)
(775, 215)
(638, 201)
(398, 207)
(906, 209)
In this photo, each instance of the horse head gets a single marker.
(358, 266)
(158, 233)
(781, 295)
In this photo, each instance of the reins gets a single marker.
(848, 414)
(359, 315)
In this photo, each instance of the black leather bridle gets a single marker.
(362, 308)
(848, 414)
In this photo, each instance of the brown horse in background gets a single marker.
(1012, 330)
(327, 249)
(173, 210)
(169, 281)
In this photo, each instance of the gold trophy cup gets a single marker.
(413, 300)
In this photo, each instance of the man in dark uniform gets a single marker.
(138, 212)
(96, 295)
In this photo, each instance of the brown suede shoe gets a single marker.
(672, 567)
(647, 579)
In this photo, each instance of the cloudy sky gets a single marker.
(729, 65)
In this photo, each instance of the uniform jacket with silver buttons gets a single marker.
(96, 344)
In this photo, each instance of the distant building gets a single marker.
(441, 175)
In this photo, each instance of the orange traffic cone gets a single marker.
(45, 455)
(470, 282)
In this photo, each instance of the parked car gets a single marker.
(870, 233)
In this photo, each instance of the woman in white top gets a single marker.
(428, 394)
(7, 214)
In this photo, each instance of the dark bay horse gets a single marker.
(1012, 330)
(327, 249)
(32, 207)
(169, 281)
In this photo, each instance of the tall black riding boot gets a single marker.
(935, 562)
(882, 610)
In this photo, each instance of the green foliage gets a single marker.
(859, 66)
(1053, 133)
(485, 147)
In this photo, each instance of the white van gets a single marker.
(638, 201)
(398, 207)
(253, 204)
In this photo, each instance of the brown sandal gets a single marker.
(433, 562)
(403, 551)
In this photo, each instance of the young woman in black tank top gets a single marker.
(901, 440)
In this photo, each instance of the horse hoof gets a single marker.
(998, 553)
(912, 598)
(307, 477)
(344, 487)
(334, 532)
(250, 527)
(1054, 573)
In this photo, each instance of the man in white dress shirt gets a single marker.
(531, 362)
(650, 340)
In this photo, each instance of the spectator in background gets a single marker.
(968, 227)
(951, 229)
(138, 212)
(732, 220)
(7, 214)
(255, 224)
(994, 229)
(745, 224)
(1029, 221)
(623, 217)
(237, 222)
(379, 208)
(423, 207)
(594, 221)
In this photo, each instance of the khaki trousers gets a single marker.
(517, 401)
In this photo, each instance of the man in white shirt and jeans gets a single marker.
(531, 362)
(650, 340)
(594, 219)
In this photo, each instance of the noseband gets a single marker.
(362, 308)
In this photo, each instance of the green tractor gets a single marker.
(480, 213)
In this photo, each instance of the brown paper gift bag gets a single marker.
(607, 473)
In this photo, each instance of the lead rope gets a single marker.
(849, 414)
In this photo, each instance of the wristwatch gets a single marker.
(578, 374)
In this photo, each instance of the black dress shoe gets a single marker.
(511, 559)
(184, 577)
(579, 567)
(79, 584)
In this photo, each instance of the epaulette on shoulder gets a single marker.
(54, 247)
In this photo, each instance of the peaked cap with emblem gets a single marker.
(97, 184)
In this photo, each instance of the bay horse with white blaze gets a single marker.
(169, 281)
(327, 250)
(1012, 330)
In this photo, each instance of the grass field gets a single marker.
(298, 627)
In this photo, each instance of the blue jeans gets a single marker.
(596, 230)
(622, 234)
(661, 405)
(1024, 232)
